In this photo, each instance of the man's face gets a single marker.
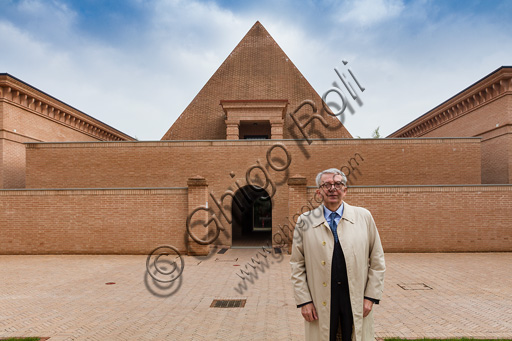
(332, 196)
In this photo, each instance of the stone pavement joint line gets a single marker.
(66, 298)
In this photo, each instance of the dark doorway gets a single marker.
(252, 217)
(254, 130)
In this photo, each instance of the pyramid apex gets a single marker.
(258, 27)
(257, 74)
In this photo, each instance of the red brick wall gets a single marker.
(20, 125)
(101, 221)
(478, 121)
(198, 197)
(439, 218)
(39, 128)
(29, 115)
(510, 158)
(492, 122)
(495, 154)
(225, 164)
(168, 164)
(12, 164)
(297, 196)
(2, 168)
(135, 221)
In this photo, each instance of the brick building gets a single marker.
(482, 110)
(30, 115)
(243, 157)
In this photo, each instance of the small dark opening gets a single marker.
(255, 130)
(252, 217)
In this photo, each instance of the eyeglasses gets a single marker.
(328, 186)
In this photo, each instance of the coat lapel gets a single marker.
(348, 213)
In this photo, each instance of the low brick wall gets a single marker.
(438, 218)
(369, 162)
(93, 221)
(135, 221)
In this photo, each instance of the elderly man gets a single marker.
(337, 265)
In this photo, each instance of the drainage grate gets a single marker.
(222, 251)
(414, 286)
(228, 303)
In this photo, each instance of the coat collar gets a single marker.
(317, 215)
(348, 213)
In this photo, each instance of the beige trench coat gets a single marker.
(313, 247)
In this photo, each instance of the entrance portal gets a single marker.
(252, 217)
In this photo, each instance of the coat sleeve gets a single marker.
(376, 266)
(298, 263)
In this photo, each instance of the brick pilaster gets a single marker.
(197, 197)
(297, 198)
(276, 129)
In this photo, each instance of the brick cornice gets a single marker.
(197, 181)
(227, 144)
(23, 95)
(255, 108)
(95, 191)
(493, 86)
(297, 180)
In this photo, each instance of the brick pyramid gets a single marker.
(257, 69)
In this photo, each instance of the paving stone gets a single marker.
(66, 298)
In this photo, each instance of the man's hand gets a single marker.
(309, 312)
(367, 307)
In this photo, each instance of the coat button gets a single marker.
(323, 243)
(324, 303)
(325, 284)
(323, 262)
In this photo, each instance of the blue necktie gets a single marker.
(333, 226)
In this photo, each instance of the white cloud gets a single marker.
(139, 89)
(409, 61)
(369, 12)
(44, 19)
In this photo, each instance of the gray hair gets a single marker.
(331, 171)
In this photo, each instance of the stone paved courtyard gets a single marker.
(67, 298)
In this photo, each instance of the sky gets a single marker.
(136, 65)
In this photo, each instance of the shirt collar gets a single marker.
(327, 212)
